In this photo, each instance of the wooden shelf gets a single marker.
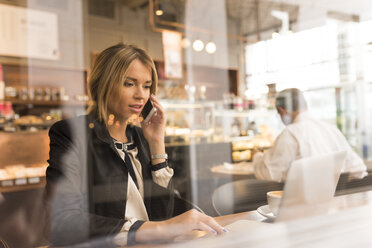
(241, 160)
(241, 149)
(246, 148)
(21, 184)
(72, 82)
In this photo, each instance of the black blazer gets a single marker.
(87, 180)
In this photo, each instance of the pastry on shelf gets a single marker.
(241, 155)
(16, 171)
(177, 131)
(35, 171)
(240, 145)
(28, 119)
(4, 175)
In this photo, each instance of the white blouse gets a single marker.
(135, 207)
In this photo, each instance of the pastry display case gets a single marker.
(188, 122)
(23, 159)
(246, 130)
(208, 122)
(20, 177)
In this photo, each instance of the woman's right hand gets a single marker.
(182, 224)
(188, 221)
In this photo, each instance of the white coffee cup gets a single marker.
(273, 199)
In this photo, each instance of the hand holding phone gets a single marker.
(148, 111)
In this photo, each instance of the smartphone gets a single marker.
(148, 111)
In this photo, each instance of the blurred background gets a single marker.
(220, 64)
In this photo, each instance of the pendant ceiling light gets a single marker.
(211, 47)
(198, 45)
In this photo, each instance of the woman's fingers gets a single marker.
(159, 108)
(160, 114)
(214, 225)
(204, 227)
(189, 221)
(208, 223)
(156, 103)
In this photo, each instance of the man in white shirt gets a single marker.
(302, 137)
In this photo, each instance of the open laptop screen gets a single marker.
(310, 185)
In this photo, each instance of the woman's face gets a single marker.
(133, 94)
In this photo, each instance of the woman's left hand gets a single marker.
(154, 130)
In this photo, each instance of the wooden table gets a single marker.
(348, 224)
(235, 172)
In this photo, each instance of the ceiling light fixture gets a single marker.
(159, 11)
(211, 47)
(185, 43)
(198, 45)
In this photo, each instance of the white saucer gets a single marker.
(265, 211)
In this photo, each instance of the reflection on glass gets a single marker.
(222, 124)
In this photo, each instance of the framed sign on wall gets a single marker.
(28, 33)
(172, 54)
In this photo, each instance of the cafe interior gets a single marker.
(221, 65)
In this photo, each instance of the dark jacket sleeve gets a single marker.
(67, 180)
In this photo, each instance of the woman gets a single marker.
(109, 177)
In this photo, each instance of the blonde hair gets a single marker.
(109, 72)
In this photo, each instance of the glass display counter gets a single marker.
(246, 130)
(208, 122)
(188, 122)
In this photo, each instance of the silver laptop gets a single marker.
(310, 186)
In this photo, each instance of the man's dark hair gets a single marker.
(291, 100)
